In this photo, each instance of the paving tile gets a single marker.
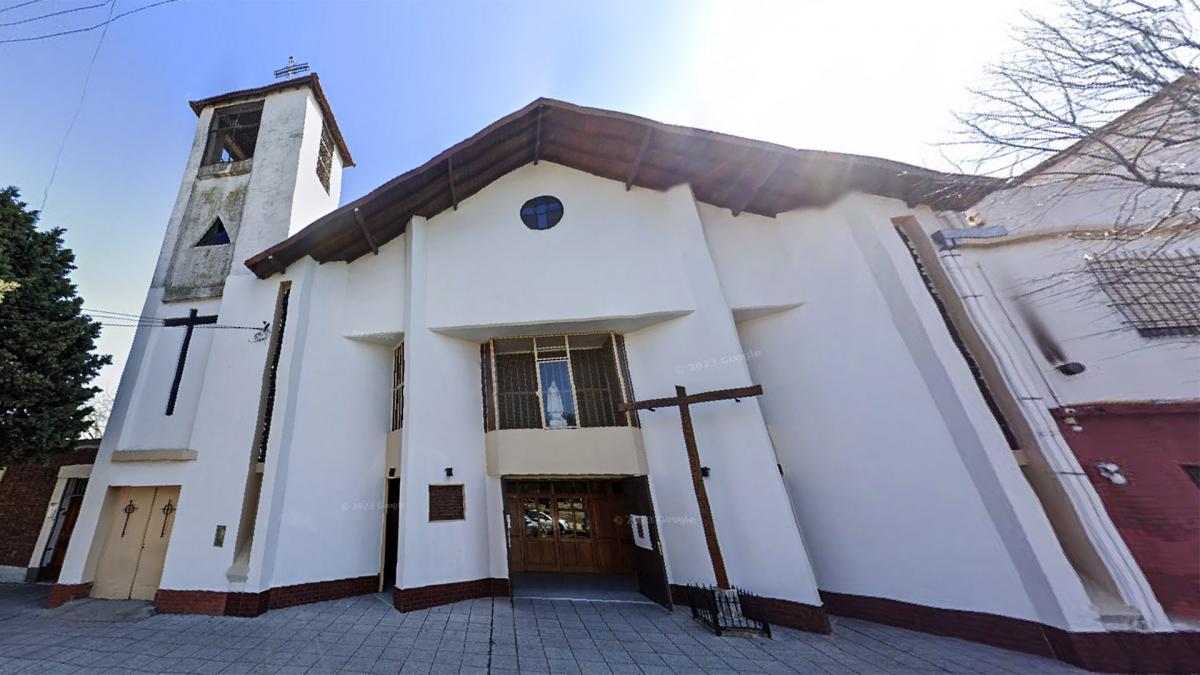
(365, 635)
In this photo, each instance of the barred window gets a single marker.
(554, 382)
(233, 134)
(398, 387)
(1157, 294)
(325, 156)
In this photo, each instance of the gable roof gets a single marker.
(310, 81)
(723, 170)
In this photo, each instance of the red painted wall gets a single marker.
(1158, 510)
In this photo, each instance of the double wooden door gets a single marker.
(568, 526)
(140, 525)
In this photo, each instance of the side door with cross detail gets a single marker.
(132, 562)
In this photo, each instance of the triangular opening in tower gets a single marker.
(215, 235)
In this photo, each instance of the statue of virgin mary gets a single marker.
(554, 407)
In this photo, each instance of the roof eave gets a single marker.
(555, 131)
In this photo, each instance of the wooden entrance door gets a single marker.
(568, 526)
(131, 563)
(651, 568)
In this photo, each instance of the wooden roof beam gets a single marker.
(637, 161)
(537, 136)
(740, 205)
(362, 227)
(450, 177)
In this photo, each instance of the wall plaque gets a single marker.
(446, 502)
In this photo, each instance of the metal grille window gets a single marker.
(398, 387)
(554, 382)
(1158, 294)
(233, 134)
(517, 392)
(325, 157)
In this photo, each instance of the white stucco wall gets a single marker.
(903, 485)
(608, 258)
(327, 481)
(149, 427)
(443, 428)
(615, 254)
(376, 294)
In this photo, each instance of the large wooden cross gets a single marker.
(191, 321)
(682, 400)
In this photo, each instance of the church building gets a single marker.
(582, 342)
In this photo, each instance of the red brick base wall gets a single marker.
(191, 602)
(409, 599)
(61, 594)
(171, 601)
(777, 612)
(1102, 652)
(1158, 510)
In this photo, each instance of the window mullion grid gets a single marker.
(621, 392)
(571, 380)
(495, 385)
(537, 373)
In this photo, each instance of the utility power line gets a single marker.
(112, 319)
(58, 13)
(87, 79)
(19, 5)
(46, 36)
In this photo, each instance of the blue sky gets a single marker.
(407, 79)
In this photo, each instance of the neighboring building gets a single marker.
(433, 410)
(38, 507)
(1085, 288)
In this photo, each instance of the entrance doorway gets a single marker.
(60, 534)
(579, 530)
(391, 534)
(139, 530)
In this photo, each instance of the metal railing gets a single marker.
(728, 609)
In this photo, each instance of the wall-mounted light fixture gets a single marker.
(704, 471)
(449, 471)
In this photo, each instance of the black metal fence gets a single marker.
(728, 609)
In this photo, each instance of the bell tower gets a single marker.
(264, 163)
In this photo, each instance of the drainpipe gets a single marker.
(971, 284)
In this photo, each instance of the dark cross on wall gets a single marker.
(191, 321)
(682, 400)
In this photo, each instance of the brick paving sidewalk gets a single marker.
(366, 635)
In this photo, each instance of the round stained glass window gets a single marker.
(542, 213)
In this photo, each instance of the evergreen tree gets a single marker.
(46, 343)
